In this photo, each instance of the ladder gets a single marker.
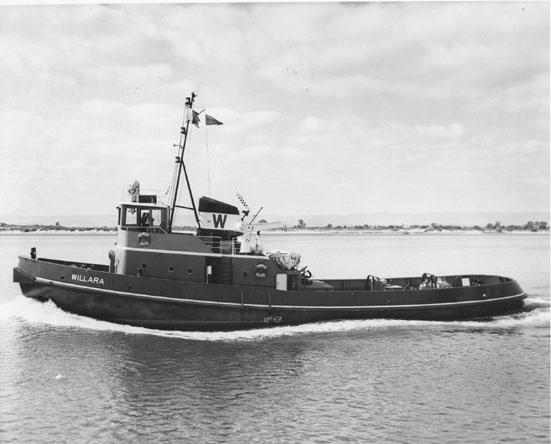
(226, 270)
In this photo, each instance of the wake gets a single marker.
(536, 314)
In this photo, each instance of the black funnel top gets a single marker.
(208, 205)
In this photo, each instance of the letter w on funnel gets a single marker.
(219, 220)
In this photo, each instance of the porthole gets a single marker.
(189, 271)
(171, 269)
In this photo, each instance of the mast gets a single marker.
(184, 131)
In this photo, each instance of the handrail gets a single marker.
(159, 193)
(217, 245)
(143, 229)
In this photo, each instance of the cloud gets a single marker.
(310, 125)
(442, 51)
(380, 105)
(453, 131)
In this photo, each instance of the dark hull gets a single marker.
(177, 305)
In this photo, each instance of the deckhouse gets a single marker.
(218, 252)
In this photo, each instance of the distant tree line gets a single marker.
(533, 226)
(55, 227)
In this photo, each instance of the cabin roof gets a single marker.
(209, 205)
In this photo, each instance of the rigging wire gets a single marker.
(208, 156)
(172, 186)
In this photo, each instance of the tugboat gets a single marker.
(219, 278)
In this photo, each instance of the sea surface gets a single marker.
(65, 378)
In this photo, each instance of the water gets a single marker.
(65, 378)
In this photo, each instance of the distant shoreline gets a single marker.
(291, 232)
(402, 232)
(301, 228)
(267, 228)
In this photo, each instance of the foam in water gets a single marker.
(36, 312)
(533, 302)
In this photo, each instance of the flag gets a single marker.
(209, 120)
(195, 120)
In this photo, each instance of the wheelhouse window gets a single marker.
(130, 217)
(150, 218)
(143, 217)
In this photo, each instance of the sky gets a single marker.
(329, 108)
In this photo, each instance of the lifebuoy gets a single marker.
(260, 271)
(144, 239)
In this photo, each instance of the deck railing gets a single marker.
(162, 197)
(217, 245)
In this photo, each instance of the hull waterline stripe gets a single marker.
(296, 307)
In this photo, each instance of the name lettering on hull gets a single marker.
(90, 279)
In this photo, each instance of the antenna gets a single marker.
(257, 213)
